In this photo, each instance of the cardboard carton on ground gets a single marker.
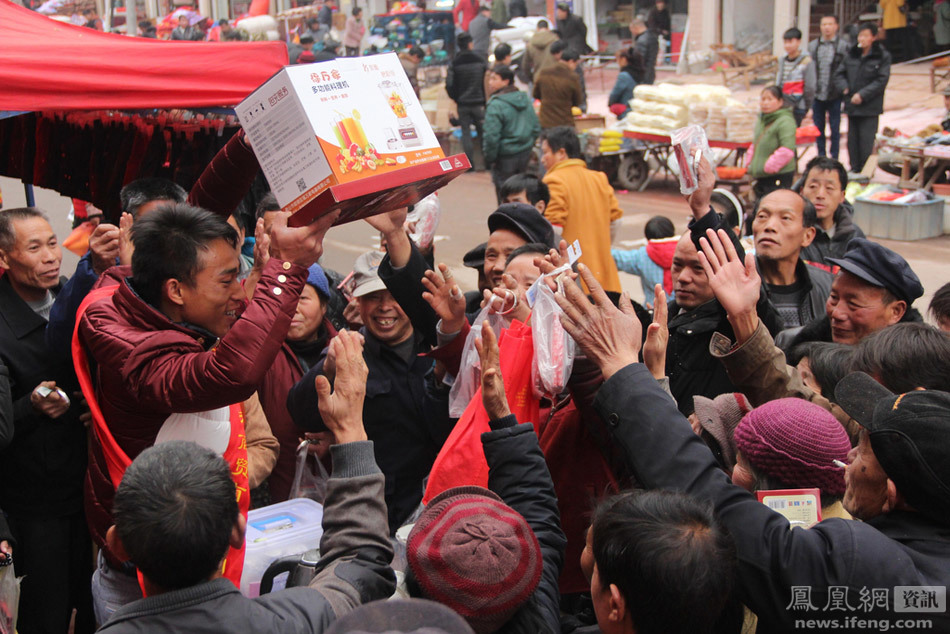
(347, 134)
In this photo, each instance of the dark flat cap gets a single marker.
(882, 267)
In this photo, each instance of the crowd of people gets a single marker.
(154, 398)
(161, 392)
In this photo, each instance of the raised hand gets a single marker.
(301, 245)
(737, 286)
(261, 257)
(390, 222)
(607, 335)
(342, 408)
(445, 298)
(393, 227)
(508, 300)
(699, 199)
(658, 335)
(493, 387)
(552, 261)
(125, 238)
(104, 245)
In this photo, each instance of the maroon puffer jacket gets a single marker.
(145, 368)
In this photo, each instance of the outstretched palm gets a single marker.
(736, 284)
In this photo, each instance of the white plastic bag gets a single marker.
(554, 349)
(310, 479)
(688, 143)
(424, 220)
(469, 377)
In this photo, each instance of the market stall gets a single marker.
(410, 26)
(104, 70)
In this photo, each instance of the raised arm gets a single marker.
(519, 475)
(178, 380)
(755, 365)
(663, 452)
(355, 551)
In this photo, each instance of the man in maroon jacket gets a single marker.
(172, 349)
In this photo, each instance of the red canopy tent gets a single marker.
(49, 65)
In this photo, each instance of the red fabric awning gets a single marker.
(49, 65)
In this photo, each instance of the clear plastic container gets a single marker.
(287, 528)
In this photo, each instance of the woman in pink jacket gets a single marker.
(353, 33)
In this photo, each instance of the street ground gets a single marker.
(467, 201)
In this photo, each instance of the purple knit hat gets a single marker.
(795, 441)
(475, 554)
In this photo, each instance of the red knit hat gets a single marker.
(795, 441)
(475, 554)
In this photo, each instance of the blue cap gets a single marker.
(318, 279)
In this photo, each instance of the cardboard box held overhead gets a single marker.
(348, 135)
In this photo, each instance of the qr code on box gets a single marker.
(445, 165)
(301, 185)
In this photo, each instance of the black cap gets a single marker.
(910, 436)
(306, 39)
(475, 259)
(525, 220)
(413, 615)
(880, 266)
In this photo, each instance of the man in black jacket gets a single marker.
(784, 224)
(572, 29)
(862, 78)
(465, 84)
(510, 226)
(176, 516)
(406, 411)
(897, 482)
(645, 43)
(824, 183)
(42, 469)
(694, 313)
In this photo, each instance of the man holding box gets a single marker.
(175, 348)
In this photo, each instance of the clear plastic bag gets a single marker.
(469, 378)
(424, 220)
(9, 599)
(687, 143)
(554, 349)
(310, 478)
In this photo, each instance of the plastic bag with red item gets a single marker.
(554, 349)
(688, 143)
(9, 596)
(469, 378)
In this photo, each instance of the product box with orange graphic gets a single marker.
(346, 134)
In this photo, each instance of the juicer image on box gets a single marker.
(396, 97)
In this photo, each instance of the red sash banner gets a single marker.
(461, 461)
(117, 461)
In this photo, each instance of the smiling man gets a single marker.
(782, 227)
(41, 470)
(874, 288)
(176, 351)
(406, 411)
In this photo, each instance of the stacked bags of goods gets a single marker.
(740, 122)
(666, 107)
